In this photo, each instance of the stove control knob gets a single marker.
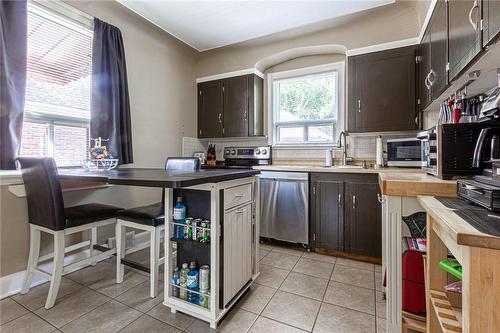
(264, 151)
(233, 152)
(227, 152)
(257, 151)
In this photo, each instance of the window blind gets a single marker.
(58, 87)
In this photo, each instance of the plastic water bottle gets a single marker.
(179, 217)
(176, 276)
(183, 280)
(192, 284)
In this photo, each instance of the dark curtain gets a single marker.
(13, 58)
(110, 106)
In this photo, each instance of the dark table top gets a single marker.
(157, 177)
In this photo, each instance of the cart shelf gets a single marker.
(449, 318)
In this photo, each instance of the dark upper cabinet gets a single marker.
(363, 217)
(210, 109)
(424, 68)
(491, 20)
(327, 212)
(432, 57)
(345, 213)
(235, 92)
(464, 17)
(438, 28)
(381, 91)
(231, 107)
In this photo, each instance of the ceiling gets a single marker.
(207, 25)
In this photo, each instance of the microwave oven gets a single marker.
(404, 152)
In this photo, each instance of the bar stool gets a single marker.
(149, 218)
(46, 212)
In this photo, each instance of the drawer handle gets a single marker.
(238, 211)
(240, 195)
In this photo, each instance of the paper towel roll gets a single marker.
(380, 153)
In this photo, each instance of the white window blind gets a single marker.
(57, 110)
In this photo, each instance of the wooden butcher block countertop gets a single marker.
(415, 184)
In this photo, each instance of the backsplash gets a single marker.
(360, 147)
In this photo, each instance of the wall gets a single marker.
(393, 22)
(161, 85)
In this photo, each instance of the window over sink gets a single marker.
(306, 105)
(57, 107)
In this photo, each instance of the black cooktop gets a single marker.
(480, 218)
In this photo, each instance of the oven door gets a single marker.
(404, 153)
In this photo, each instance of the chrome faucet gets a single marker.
(344, 134)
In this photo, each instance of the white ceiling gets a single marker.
(206, 25)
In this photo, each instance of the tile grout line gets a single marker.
(29, 312)
(324, 294)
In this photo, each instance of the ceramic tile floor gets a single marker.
(296, 292)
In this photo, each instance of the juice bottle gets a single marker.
(183, 280)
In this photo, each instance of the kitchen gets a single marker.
(298, 144)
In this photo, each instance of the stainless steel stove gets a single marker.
(246, 157)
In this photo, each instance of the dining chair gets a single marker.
(150, 218)
(46, 213)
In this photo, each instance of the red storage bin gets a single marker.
(413, 282)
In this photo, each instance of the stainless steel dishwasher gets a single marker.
(284, 205)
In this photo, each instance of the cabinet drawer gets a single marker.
(237, 195)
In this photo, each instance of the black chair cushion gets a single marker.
(153, 215)
(88, 213)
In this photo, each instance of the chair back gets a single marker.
(43, 192)
(180, 163)
(183, 163)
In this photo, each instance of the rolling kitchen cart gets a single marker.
(233, 210)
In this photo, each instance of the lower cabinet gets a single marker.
(237, 250)
(363, 218)
(345, 213)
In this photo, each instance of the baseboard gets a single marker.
(12, 284)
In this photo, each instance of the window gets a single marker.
(306, 105)
(57, 109)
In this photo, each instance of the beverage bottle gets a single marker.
(176, 281)
(179, 217)
(192, 266)
(192, 284)
(183, 280)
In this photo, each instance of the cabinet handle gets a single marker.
(245, 115)
(359, 105)
(474, 6)
(433, 75)
(353, 202)
(380, 198)
(428, 85)
(339, 200)
(220, 118)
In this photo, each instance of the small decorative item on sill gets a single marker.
(100, 158)
(211, 157)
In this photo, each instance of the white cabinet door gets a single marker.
(237, 233)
